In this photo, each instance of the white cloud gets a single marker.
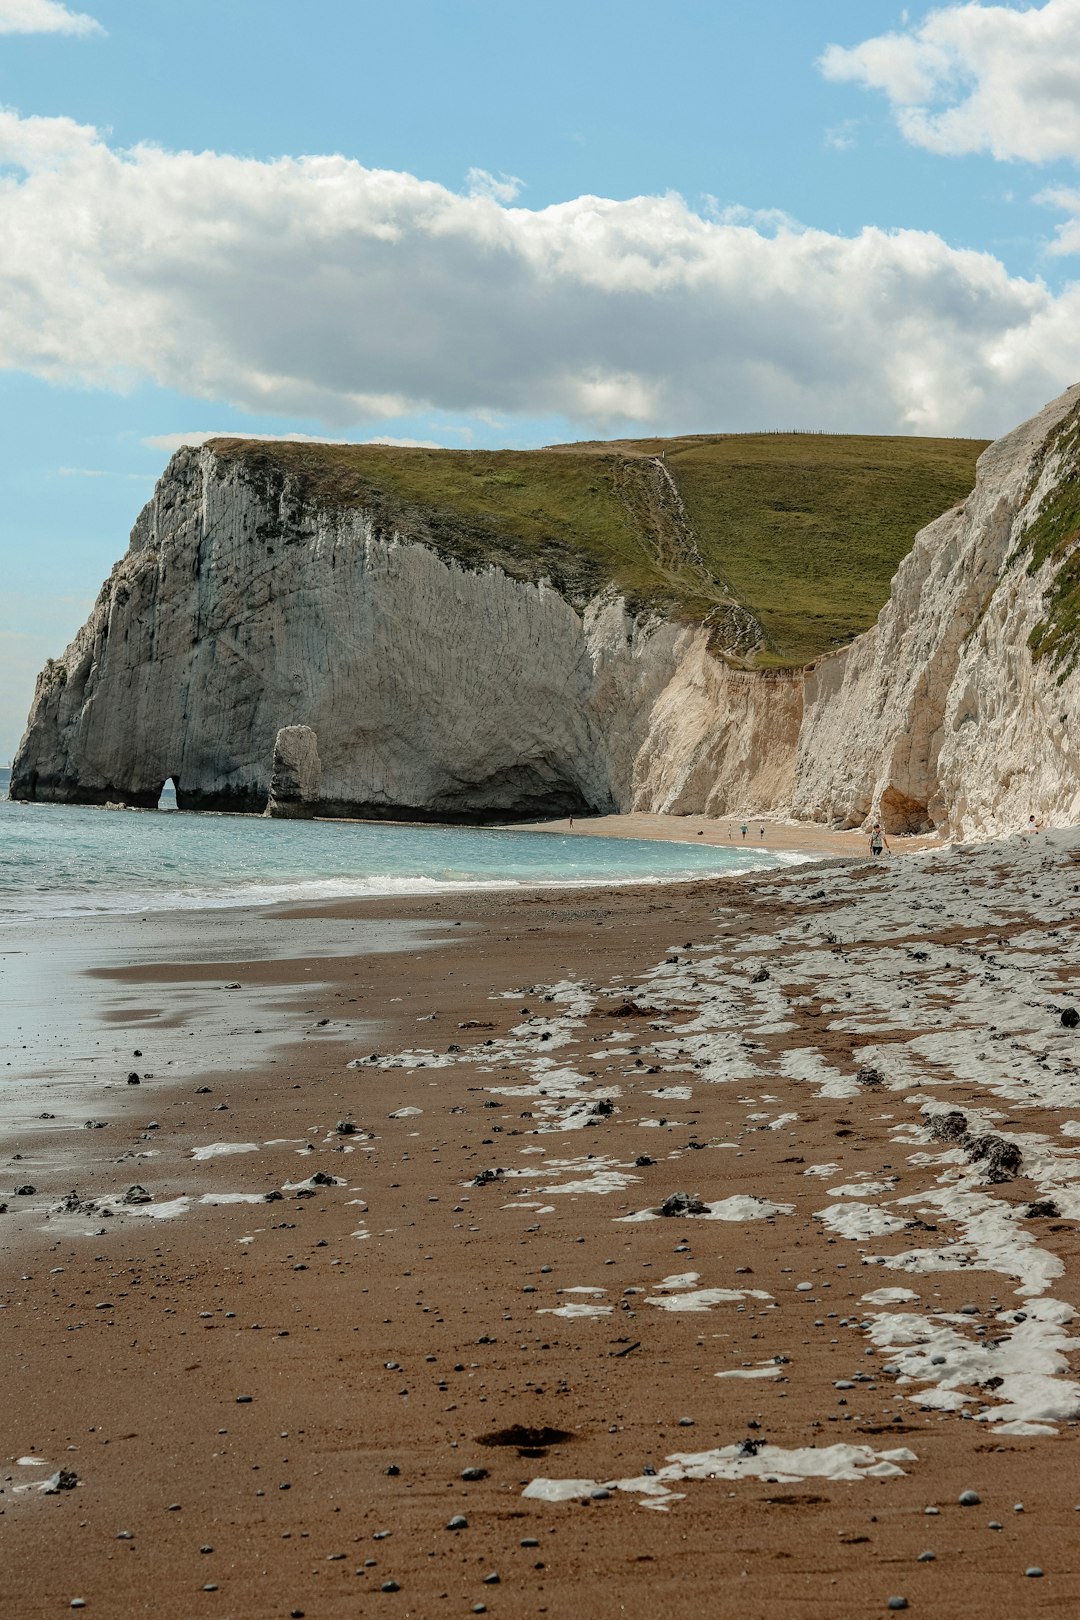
(502, 187)
(978, 78)
(44, 17)
(1066, 235)
(313, 286)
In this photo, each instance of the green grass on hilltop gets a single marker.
(806, 530)
(809, 529)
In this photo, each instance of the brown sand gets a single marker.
(312, 1449)
(762, 832)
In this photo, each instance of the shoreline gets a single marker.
(603, 1049)
(788, 843)
(782, 836)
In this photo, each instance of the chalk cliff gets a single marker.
(427, 688)
(256, 644)
(958, 709)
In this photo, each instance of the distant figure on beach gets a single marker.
(1033, 825)
(761, 836)
(571, 823)
(878, 841)
(744, 829)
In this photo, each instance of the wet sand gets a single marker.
(270, 1404)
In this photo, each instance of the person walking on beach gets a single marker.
(744, 829)
(878, 841)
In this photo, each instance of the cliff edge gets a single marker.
(337, 631)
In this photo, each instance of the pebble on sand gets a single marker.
(969, 1498)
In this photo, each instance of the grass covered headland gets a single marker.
(795, 535)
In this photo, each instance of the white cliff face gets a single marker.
(940, 716)
(429, 688)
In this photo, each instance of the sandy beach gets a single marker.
(366, 1301)
(762, 832)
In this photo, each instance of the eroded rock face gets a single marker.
(252, 646)
(940, 716)
(238, 616)
(295, 786)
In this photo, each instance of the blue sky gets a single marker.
(842, 214)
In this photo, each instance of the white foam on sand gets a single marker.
(703, 1299)
(775, 1464)
(860, 1220)
(739, 1207)
(575, 1309)
(764, 1369)
(1014, 1375)
(221, 1150)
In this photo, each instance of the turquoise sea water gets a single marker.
(62, 860)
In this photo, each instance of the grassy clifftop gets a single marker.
(804, 531)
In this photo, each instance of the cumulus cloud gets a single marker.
(313, 286)
(44, 17)
(978, 78)
(503, 187)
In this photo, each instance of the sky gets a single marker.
(507, 223)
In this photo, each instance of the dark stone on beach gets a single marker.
(137, 1195)
(46, 1116)
(474, 1473)
(760, 976)
(681, 1203)
(393, 1471)
(750, 1448)
(94, 1125)
(202, 1091)
(486, 1177)
(134, 1079)
(643, 1159)
(458, 1522)
(273, 1196)
(345, 1127)
(1001, 1157)
(321, 1179)
(63, 1480)
(950, 1127)
(244, 1400)
(969, 1498)
(604, 1107)
(869, 1076)
(1042, 1207)
(1070, 1018)
(25, 1191)
(492, 1579)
